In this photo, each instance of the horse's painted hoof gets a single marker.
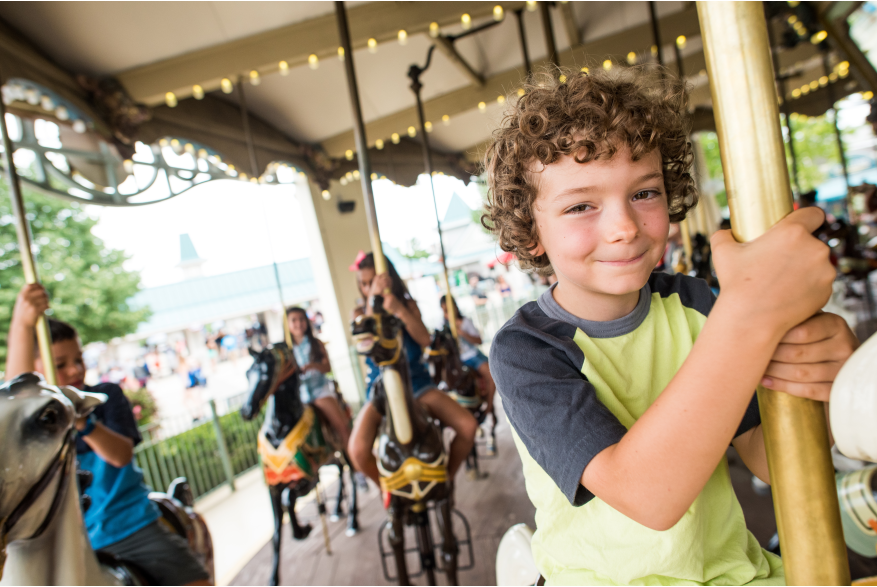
(351, 532)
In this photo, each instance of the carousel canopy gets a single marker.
(150, 84)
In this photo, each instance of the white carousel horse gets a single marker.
(42, 531)
(853, 407)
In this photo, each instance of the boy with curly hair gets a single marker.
(629, 396)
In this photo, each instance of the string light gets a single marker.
(631, 58)
(313, 61)
(46, 103)
(379, 144)
(498, 13)
(561, 79)
(823, 81)
(585, 70)
(814, 84)
(254, 77)
(792, 19)
(681, 41)
(62, 113)
(343, 180)
(428, 126)
(446, 120)
(482, 106)
(284, 68)
(654, 50)
(395, 138)
(500, 99)
(403, 37)
(466, 21)
(832, 77)
(348, 154)
(79, 126)
(326, 195)
(412, 132)
(197, 92)
(805, 89)
(242, 177)
(796, 93)
(868, 95)
(818, 37)
(170, 99)
(607, 65)
(226, 85)
(531, 5)
(702, 73)
(356, 174)
(520, 92)
(340, 53)
(372, 45)
(434, 29)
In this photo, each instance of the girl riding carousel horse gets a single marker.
(415, 336)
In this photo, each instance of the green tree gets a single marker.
(86, 281)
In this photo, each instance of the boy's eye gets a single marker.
(578, 208)
(646, 194)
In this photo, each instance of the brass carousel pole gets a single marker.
(795, 431)
(22, 229)
(414, 73)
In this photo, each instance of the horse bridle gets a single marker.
(62, 462)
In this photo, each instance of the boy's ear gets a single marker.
(537, 250)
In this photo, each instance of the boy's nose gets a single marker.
(621, 225)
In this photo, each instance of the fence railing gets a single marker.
(209, 451)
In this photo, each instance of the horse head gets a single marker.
(443, 359)
(271, 367)
(36, 423)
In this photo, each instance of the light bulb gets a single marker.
(326, 195)
(498, 13)
(254, 77)
(412, 132)
(521, 92)
(170, 99)
(561, 79)
(372, 45)
(340, 53)
(446, 120)
(197, 92)
(466, 21)
(403, 37)
(818, 37)
(607, 65)
(379, 144)
(62, 113)
(284, 68)
(395, 138)
(348, 154)
(434, 29)
(585, 70)
(313, 61)
(226, 85)
(374, 176)
(482, 106)
(681, 41)
(428, 126)
(500, 99)
(356, 174)
(631, 58)
(531, 5)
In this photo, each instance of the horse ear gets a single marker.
(84, 402)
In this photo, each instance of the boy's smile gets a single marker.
(604, 225)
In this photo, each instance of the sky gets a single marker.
(236, 225)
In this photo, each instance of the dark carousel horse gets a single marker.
(411, 455)
(452, 376)
(294, 442)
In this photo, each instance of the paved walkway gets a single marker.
(491, 505)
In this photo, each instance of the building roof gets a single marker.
(188, 254)
(203, 300)
(458, 213)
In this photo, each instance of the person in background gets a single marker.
(313, 361)
(121, 519)
(470, 354)
(399, 302)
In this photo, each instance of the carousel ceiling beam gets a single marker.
(569, 24)
(636, 39)
(446, 46)
(293, 43)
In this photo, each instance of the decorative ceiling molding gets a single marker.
(293, 44)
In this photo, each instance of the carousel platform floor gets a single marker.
(491, 505)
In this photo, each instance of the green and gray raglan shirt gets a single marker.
(573, 387)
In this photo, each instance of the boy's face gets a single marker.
(68, 363)
(604, 224)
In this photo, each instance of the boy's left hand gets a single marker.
(809, 357)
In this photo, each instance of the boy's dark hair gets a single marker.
(443, 302)
(397, 286)
(589, 115)
(316, 348)
(60, 332)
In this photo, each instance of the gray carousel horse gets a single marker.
(41, 527)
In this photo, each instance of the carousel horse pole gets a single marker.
(414, 72)
(738, 57)
(287, 335)
(22, 229)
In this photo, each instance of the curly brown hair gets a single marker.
(588, 115)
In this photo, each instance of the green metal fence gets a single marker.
(208, 452)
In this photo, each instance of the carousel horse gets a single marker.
(460, 382)
(294, 442)
(43, 534)
(411, 455)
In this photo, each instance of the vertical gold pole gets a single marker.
(796, 437)
(684, 230)
(44, 337)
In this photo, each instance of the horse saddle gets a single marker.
(299, 455)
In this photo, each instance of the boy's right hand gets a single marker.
(779, 279)
(32, 302)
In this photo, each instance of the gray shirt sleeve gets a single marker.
(551, 405)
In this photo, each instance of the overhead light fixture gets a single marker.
(681, 41)
(631, 58)
(348, 154)
(170, 99)
(197, 92)
(395, 138)
(434, 30)
(372, 45)
(607, 64)
(482, 106)
(226, 85)
(531, 5)
(379, 144)
(446, 120)
(403, 37)
(412, 132)
(498, 13)
(313, 61)
(428, 126)
(340, 53)
(466, 21)
(284, 68)
(326, 195)
(254, 77)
